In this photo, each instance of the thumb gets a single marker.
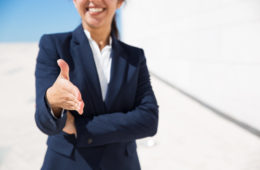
(64, 69)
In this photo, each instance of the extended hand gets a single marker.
(63, 94)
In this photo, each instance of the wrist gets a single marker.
(56, 110)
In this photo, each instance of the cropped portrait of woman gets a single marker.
(93, 94)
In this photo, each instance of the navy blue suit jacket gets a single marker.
(129, 112)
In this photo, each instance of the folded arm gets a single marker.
(121, 127)
(46, 72)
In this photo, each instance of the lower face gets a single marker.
(97, 13)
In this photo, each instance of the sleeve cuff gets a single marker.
(52, 113)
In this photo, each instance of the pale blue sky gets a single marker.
(27, 20)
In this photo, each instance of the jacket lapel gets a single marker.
(82, 51)
(117, 73)
(121, 70)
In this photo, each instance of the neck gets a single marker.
(100, 35)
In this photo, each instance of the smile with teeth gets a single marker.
(95, 9)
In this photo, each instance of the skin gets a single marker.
(98, 23)
(63, 94)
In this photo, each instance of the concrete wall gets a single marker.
(208, 48)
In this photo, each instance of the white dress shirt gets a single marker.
(103, 64)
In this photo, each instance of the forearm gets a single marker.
(46, 72)
(54, 91)
(45, 121)
(120, 127)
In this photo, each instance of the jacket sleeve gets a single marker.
(140, 122)
(46, 72)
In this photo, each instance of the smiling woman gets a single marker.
(93, 94)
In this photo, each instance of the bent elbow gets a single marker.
(154, 127)
(153, 123)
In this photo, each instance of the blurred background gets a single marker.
(204, 61)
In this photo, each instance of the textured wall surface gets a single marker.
(208, 48)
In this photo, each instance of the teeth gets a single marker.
(95, 9)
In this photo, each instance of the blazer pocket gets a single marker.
(131, 148)
(62, 143)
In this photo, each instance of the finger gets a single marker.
(64, 69)
(71, 98)
(71, 105)
(77, 92)
(79, 96)
(68, 88)
(71, 88)
(81, 109)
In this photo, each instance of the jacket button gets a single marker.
(90, 141)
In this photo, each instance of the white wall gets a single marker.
(208, 48)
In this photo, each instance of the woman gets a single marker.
(93, 94)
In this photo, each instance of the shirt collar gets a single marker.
(87, 33)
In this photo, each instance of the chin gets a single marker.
(93, 24)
